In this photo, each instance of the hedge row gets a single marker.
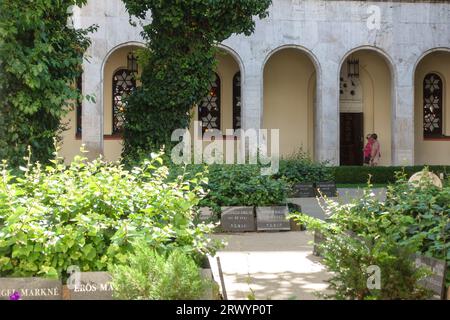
(381, 175)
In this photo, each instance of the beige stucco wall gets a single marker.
(432, 152)
(289, 81)
(70, 145)
(375, 77)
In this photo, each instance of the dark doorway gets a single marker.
(352, 139)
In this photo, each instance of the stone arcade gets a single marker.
(325, 73)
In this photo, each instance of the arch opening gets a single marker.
(431, 108)
(365, 105)
(289, 91)
(118, 81)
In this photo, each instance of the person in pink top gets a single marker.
(368, 150)
(376, 151)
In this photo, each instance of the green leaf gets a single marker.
(89, 252)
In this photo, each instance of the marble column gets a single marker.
(326, 126)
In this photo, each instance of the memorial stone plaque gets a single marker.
(238, 219)
(206, 214)
(208, 276)
(304, 190)
(436, 281)
(431, 177)
(30, 289)
(272, 219)
(318, 240)
(90, 286)
(327, 189)
(295, 226)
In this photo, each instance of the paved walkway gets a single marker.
(277, 266)
(274, 266)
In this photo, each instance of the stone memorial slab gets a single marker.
(295, 226)
(206, 214)
(327, 189)
(436, 281)
(272, 219)
(304, 190)
(90, 286)
(319, 238)
(430, 176)
(238, 219)
(30, 289)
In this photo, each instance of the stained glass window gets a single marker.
(124, 84)
(79, 105)
(237, 101)
(432, 106)
(209, 109)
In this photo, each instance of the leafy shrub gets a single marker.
(148, 275)
(428, 207)
(233, 185)
(350, 259)
(369, 232)
(88, 213)
(243, 185)
(36, 85)
(300, 168)
(349, 255)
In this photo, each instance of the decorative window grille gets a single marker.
(237, 102)
(432, 105)
(124, 84)
(209, 109)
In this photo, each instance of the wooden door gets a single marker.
(352, 139)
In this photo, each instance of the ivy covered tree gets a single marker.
(178, 67)
(40, 58)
